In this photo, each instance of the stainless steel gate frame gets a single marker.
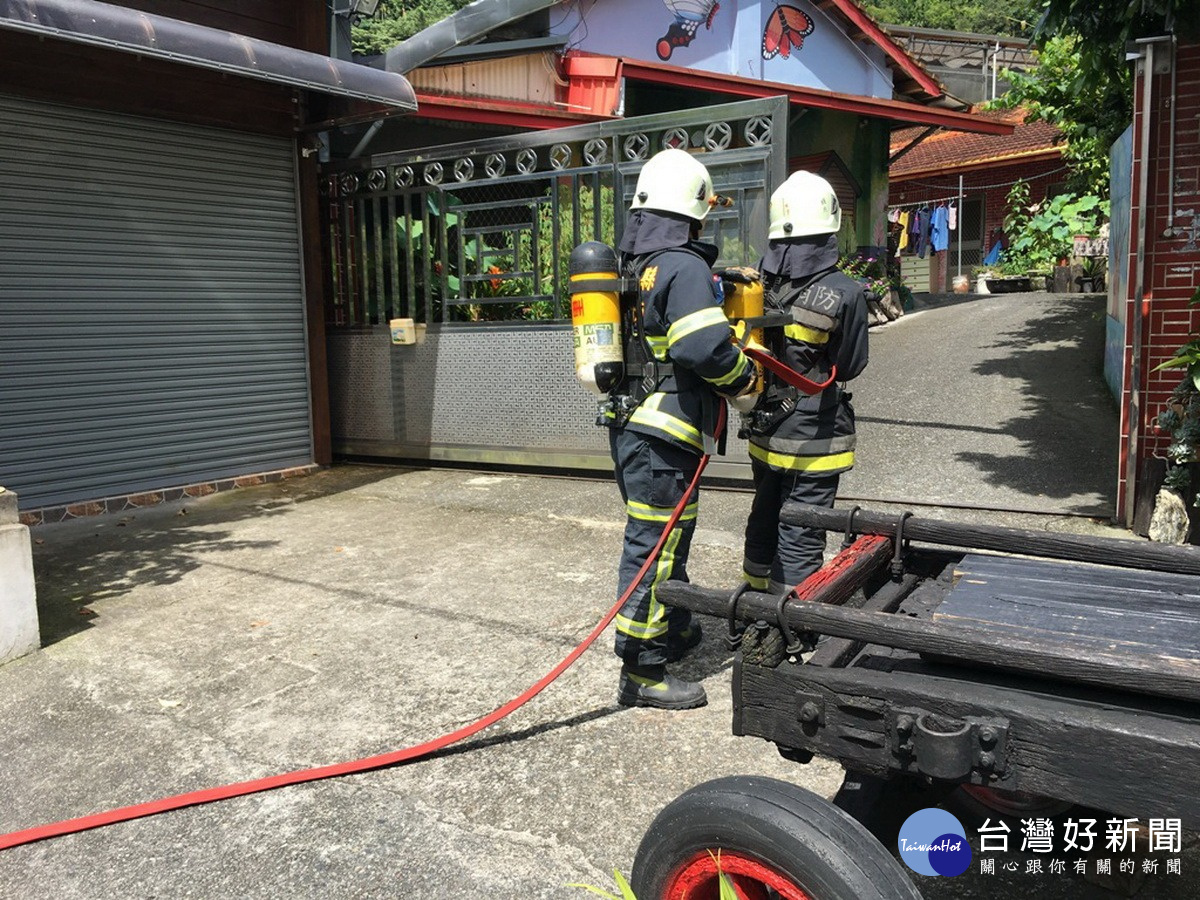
(471, 240)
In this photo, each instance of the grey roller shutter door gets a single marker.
(151, 305)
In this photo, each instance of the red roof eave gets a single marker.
(874, 107)
(507, 113)
(895, 52)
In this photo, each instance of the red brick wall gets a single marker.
(993, 183)
(1172, 259)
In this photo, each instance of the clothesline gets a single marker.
(975, 188)
(918, 203)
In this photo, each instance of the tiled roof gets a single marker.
(947, 151)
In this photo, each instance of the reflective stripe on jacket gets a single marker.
(817, 437)
(683, 323)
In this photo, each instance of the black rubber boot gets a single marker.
(654, 686)
(678, 645)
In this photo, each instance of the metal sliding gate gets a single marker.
(471, 242)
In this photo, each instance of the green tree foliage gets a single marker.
(1015, 18)
(1041, 234)
(1083, 83)
(398, 20)
(1089, 109)
(1105, 25)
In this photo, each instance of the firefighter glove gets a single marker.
(740, 274)
(748, 398)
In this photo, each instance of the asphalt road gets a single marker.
(989, 402)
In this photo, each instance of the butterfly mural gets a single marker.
(688, 16)
(786, 29)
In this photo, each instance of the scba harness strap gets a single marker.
(644, 374)
(807, 313)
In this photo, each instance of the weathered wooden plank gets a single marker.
(1132, 554)
(1024, 593)
(1078, 597)
(1079, 583)
(833, 651)
(1169, 584)
(834, 583)
(1032, 596)
(1145, 635)
(1131, 759)
(1079, 659)
(837, 580)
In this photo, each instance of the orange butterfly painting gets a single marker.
(787, 27)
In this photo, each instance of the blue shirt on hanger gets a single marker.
(939, 229)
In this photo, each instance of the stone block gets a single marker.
(18, 598)
(8, 507)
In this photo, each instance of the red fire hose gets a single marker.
(382, 760)
(788, 374)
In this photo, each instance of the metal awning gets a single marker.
(160, 37)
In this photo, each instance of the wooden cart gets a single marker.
(1029, 667)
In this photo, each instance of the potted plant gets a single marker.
(1011, 275)
(1042, 234)
(1091, 276)
(882, 285)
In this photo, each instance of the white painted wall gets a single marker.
(828, 59)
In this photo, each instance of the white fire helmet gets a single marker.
(674, 181)
(804, 205)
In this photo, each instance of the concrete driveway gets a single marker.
(366, 609)
(342, 615)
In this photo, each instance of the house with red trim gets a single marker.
(974, 173)
(848, 83)
(458, 218)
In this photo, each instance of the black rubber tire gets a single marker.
(820, 848)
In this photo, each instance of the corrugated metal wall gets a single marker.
(151, 305)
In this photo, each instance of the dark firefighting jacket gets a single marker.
(679, 323)
(790, 430)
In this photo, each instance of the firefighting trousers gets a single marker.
(778, 556)
(652, 476)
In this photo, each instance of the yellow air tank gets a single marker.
(745, 300)
(595, 290)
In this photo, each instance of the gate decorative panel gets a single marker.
(477, 236)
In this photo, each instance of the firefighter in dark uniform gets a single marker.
(799, 443)
(679, 360)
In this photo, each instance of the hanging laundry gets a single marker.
(952, 217)
(904, 223)
(923, 222)
(998, 243)
(939, 234)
